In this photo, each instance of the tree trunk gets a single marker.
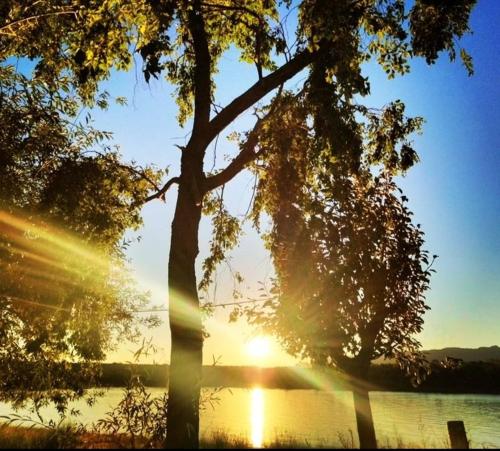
(364, 419)
(185, 316)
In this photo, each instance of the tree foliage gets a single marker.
(66, 201)
(351, 274)
(90, 38)
(86, 40)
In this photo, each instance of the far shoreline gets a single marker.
(466, 378)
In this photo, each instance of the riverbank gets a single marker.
(67, 437)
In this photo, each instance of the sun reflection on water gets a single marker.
(257, 417)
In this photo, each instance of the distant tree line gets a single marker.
(468, 377)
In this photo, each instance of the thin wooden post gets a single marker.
(458, 437)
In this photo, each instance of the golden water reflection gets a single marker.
(257, 417)
(323, 419)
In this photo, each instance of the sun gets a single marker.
(259, 347)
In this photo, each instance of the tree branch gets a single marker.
(259, 90)
(5, 28)
(240, 8)
(136, 170)
(246, 155)
(161, 193)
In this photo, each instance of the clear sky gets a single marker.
(454, 192)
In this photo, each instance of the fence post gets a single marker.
(458, 437)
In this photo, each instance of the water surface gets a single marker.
(327, 418)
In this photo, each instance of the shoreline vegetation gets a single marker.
(467, 377)
(68, 437)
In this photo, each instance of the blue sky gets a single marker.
(454, 191)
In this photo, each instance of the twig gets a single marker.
(161, 193)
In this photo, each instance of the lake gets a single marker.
(327, 418)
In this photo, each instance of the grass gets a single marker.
(18, 437)
(223, 440)
(67, 437)
(15, 437)
(62, 437)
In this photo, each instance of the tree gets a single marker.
(184, 39)
(65, 203)
(351, 274)
(363, 297)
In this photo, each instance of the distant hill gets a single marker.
(483, 354)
